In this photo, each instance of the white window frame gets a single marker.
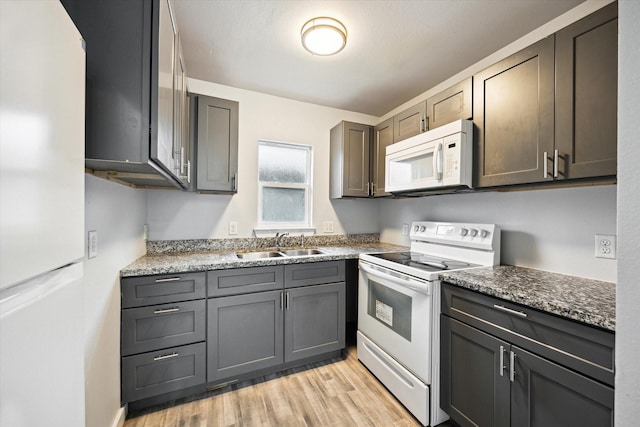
(272, 226)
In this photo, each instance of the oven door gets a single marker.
(395, 312)
(416, 167)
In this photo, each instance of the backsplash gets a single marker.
(244, 244)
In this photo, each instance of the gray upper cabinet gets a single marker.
(214, 130)
(382, 137)
(410, 122)
(586, 96)
(549, 112)
(513, 116)
(130, 94)
(350, 146)
(454, 103)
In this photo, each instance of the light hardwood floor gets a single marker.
(340, 392)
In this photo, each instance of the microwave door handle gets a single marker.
(437, 162)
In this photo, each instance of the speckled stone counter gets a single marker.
(588, 301)
(179, 262)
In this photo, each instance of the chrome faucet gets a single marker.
(279, 238)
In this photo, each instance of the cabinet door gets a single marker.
(350, 147)
(244, 334)
(217, 145)
(410, 122)
(454, 103)
(546, 394)
(382, 137)
(181, 111)
(586, 95)
(164, 150)
(474, 386)
(314, 320)
(513, 113)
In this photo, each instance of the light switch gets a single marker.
(93, 244)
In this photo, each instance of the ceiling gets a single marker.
(396, 49)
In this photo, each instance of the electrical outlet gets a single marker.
(405, 229)
(233, 227)
(92, 244)
(605, 246)
(327, 227)
(145, 232)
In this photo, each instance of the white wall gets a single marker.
(549, 229)
(179, 215)
(627, 402)
(117, 213)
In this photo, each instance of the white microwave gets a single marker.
(437, 159)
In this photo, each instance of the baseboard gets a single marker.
(118, 421)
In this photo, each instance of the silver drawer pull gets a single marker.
(166, 356)
(166, 310)
(510, 311)
(168, 279)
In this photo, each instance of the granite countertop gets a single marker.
(180, 262)
(592, 302)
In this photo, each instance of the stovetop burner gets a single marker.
(423, 261)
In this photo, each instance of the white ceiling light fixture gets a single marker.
(323, 36)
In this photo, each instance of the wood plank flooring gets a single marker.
(340, 392)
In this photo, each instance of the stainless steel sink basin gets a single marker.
(259, 255)
(303, 252)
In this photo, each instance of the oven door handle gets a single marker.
(398, 278)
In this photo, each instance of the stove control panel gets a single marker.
(472, 235)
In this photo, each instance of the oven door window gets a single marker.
(391, 308)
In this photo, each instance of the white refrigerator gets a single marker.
(42, 96)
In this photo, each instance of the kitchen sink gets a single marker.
(259, 255)
(303, 252)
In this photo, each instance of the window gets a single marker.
(284, 185)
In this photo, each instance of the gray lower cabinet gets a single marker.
(314, 321)
(163, 332)
(245, 334)
(505, 365)
(253, 328)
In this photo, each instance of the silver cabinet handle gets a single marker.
(555, 163)
(512, 367)
(168, 279)
(166, 356)
(182, 160)
(286, 303)
(166, 310)
(188, 171)
(510, 311)
(234, 182)
(545, 172)
(281, 301)
(502, 361)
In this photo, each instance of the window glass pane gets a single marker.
(282, 164)
(283, 204)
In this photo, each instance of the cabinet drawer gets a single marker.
(585, 349)
(161, 326)
(151, 374)
(151, 290)
(244, 280)
(313, 273)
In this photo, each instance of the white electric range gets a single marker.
(399, 308)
